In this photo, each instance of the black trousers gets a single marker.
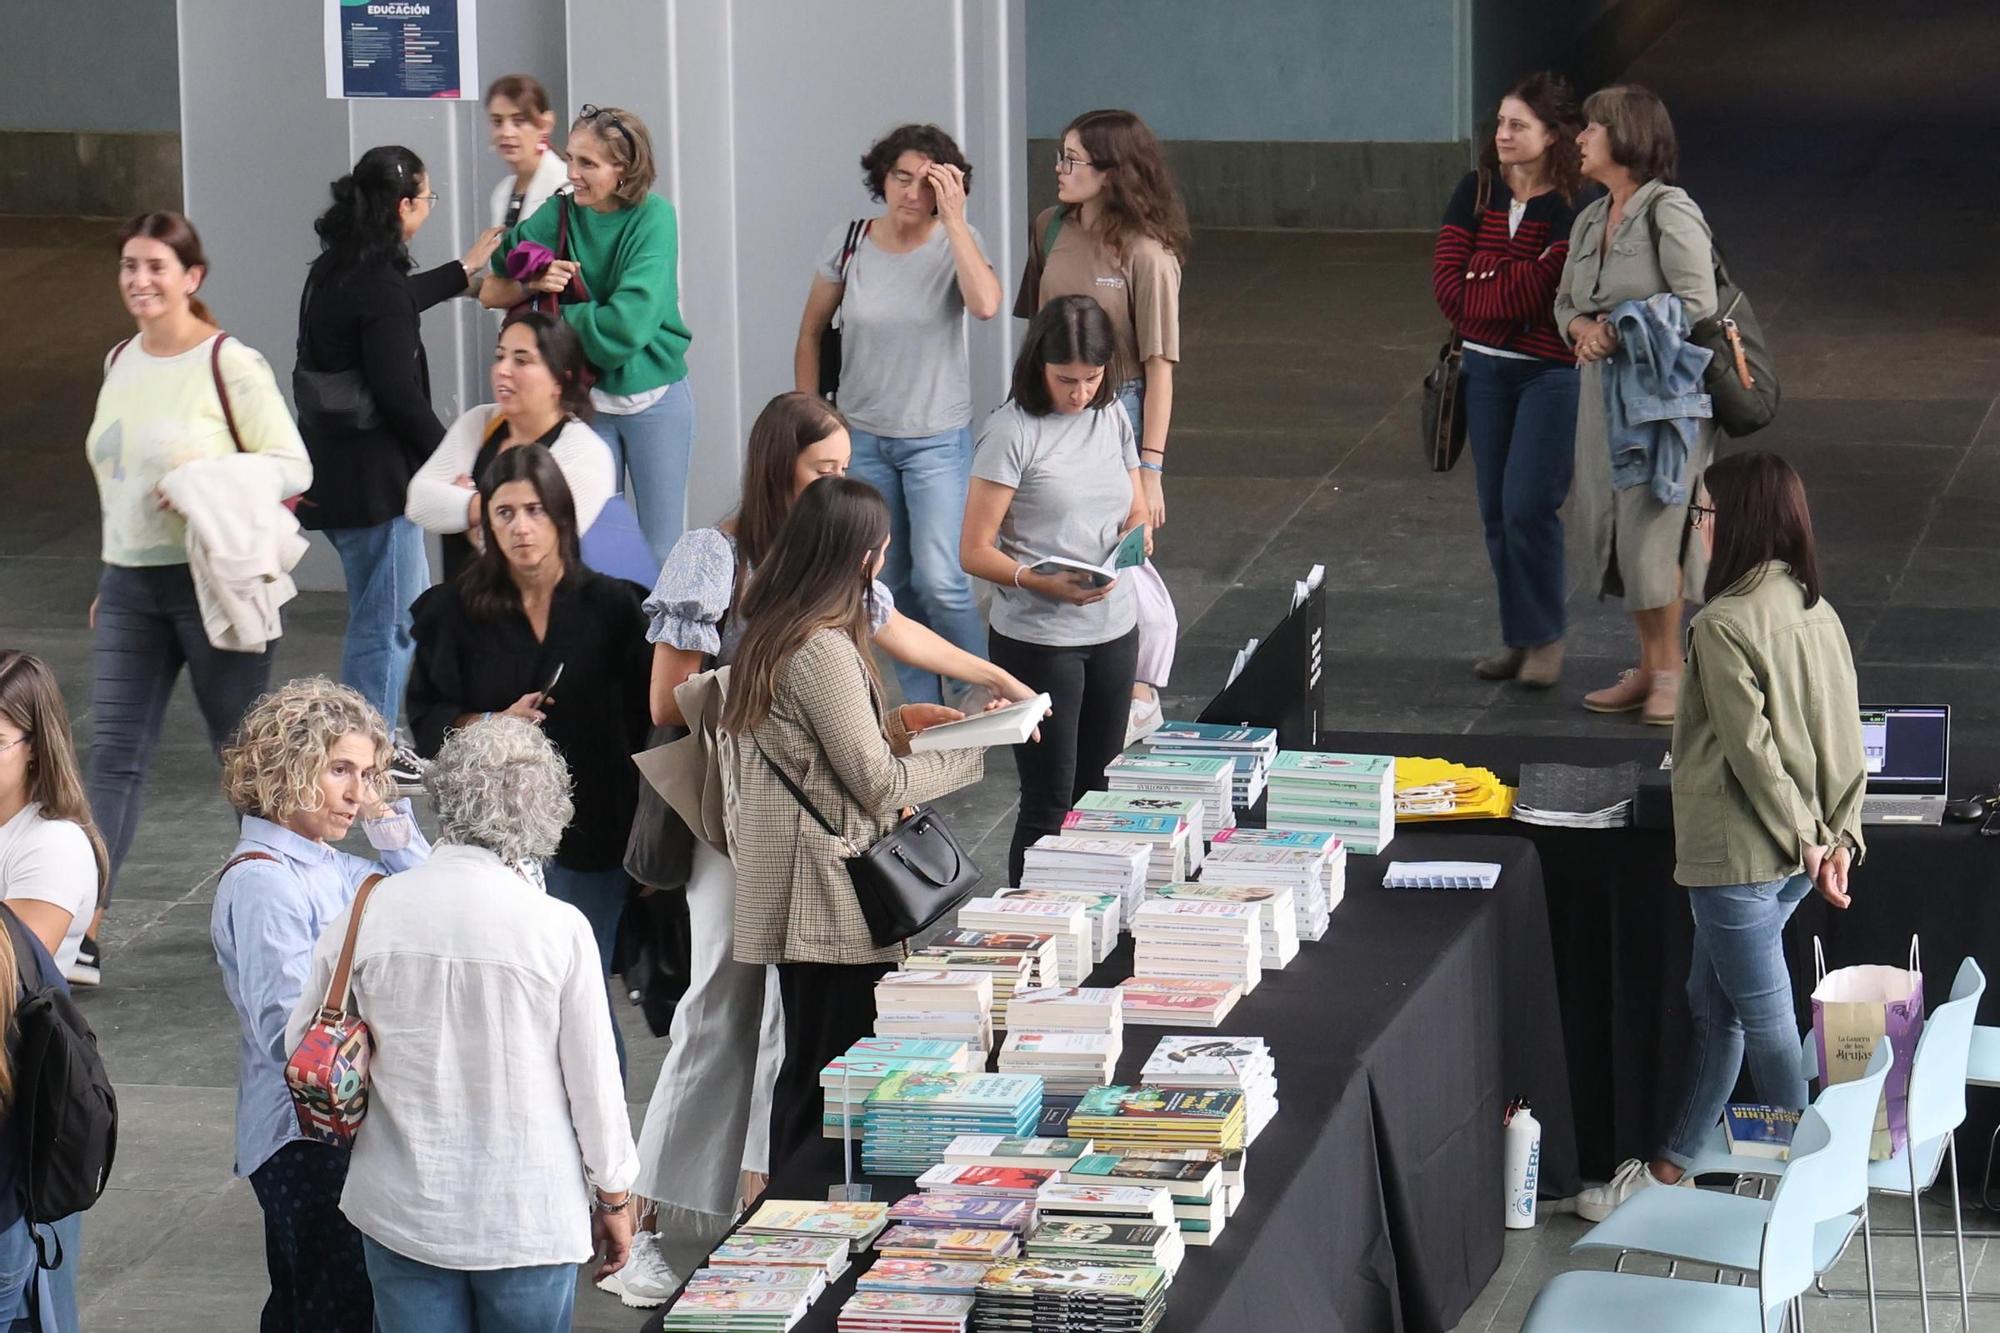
(828, 1007)
(319, 1278)
(1090, 694)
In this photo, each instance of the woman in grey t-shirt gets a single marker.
(1056, 474)
(902, 291)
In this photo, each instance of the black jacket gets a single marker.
(368, 318)
(597, 717)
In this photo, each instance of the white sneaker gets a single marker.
(645, 1282)
(1144, 719)
(1594, 1205)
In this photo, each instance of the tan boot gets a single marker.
(1503, 665)
(1628, 695)
(1542, 667)
(1662, 699)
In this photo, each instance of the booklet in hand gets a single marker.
(1130, 551)
(1011, 725)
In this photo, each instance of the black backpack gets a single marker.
(1741, 379)
(63, 1100)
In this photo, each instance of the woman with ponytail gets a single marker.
(181, 391)
(366, 407)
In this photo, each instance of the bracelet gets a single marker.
(1150, 467)
(1019, 569)
(1161, 452)
(604, 1207)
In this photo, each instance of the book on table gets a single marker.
(1130, 550)
(1068, 922)
(1242, 1063)
(1070, 1009)
(856, 1223)
(1250, 749)
(943, 1277)
(1210, 777)
(826, 1254)
(953, 1211)
(1753, 1129)
(1005, 1182)
(1166, 837)
(978, 1244)
(1135, 1203)
(876, 1310)
(796, 1278)
(1188, 807)
(1068, 1062)
(1061, 861)
(1182, 1002)
(1102, 911)
(1011, 724)
(1140, 1116)
(1074, 1297)
(1002, 1150)
(736, 1308)
(1107, 1242)
(1277, 917)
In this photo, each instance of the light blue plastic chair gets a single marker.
(1726, 1230)
(1594, 1302)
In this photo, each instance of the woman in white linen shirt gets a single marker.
(52, 862)
(497, 1153)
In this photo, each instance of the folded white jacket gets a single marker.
(242, 544)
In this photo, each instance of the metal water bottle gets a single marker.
(1523, 1135)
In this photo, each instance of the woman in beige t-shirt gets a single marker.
(1118, 234)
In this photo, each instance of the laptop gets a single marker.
(1908, 752)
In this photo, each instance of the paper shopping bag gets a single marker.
(1853, 1008)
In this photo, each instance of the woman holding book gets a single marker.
(1056, 475)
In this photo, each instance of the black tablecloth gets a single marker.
(1622, 932)
(1374, 1199)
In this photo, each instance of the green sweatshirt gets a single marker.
(631, 326)
(1767, 737)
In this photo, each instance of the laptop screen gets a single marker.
(1908, 750)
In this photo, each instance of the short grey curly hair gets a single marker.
(502, 785)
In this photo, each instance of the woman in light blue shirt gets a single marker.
(310, 761)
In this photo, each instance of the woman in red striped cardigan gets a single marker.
(1495, 271)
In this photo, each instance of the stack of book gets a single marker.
(1209, 778)
(981, 1245)
(1312, 865)
(995, 1182)
(1095, 1242)
(1277, 918)
(1038, 945)
(1070, 1063)
(1177, 1002)
(1144, 1117)
(954, 1212)
(879, 1310)
(1102, 909)
(740, 1306)
(1202, 941)
(827, 1255)
(848, 1079)
(1072, 1009)
(912, 1117)
(1241, 1063)
(956, 1277)
(1067, 922)
(1251, 749)
(1076, 1298)
(1228, 1163)
(1200, 1204)
(1011, 970)
(1350, 795)
(1156, 803)
(1165, 837)
(997, 1150)
(1098, 1201)
(1057, 861)
(856, 1223)
(953, 1006)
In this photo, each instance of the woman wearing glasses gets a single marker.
(616, 274)
(1118, 234)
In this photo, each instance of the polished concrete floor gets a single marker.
(1841, 151)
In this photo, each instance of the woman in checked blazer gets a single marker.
(803, 696)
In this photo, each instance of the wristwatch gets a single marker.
(603, 1206)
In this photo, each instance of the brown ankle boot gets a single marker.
(1503, 665)
(1627, 696)
(1542, 667)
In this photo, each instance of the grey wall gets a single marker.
(100, 65)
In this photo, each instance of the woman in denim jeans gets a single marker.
(902, 294)
(1768, 780)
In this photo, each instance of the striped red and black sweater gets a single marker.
(1513, 309)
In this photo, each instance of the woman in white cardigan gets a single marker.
(540, 397)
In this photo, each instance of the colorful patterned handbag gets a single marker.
(328, 1073)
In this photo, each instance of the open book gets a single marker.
(1011, 725)
(1130, 551)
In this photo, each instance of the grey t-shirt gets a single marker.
(902, 340)
(1072, 480)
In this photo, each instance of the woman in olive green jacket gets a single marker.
(1768, 780)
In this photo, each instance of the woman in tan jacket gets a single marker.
(804, 698)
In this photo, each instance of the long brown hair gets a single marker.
(32, 701)
(789, 425)
(1550, 99)
(10, 987)
(818, 575)
(487, 581)
(1760, 515)
(174, 231)
(1140, 197)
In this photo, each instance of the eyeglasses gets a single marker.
(21, 739)
(596, 114)
(1066, 164)
(430, 198)
(1700, 516)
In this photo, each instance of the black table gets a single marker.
(1622, 932)
(1374, 1198)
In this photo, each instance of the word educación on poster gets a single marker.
(401, 49)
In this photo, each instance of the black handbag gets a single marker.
(1444, 403)
(329, 400)
(829, 337)
(1741, 379)
(909, 878)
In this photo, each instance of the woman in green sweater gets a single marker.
(617, 278)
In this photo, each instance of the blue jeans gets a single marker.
(1739, 999)
(386, 570)
(924, 480)
(148, 628)
(600, 895)
(657, 447)
(413, 1297)
(1520, 423)
(58, 1285)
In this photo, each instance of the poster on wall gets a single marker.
(402, 48)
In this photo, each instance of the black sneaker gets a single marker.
(407, 770)
(87, 969)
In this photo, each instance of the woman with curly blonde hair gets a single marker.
(310, 759)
